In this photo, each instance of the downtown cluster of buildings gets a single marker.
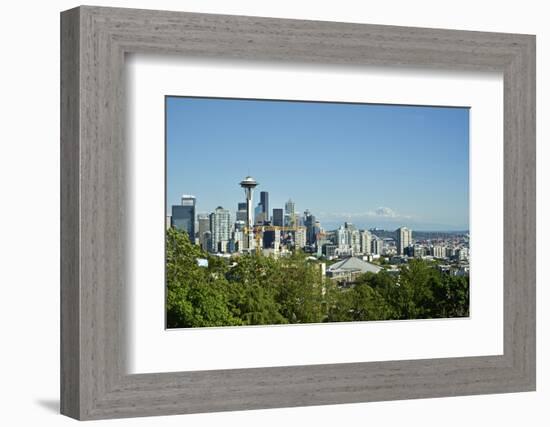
(278, 231)
(272, 232)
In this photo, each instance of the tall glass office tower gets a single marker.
(183, 216)
(278, 217)
(264, 201)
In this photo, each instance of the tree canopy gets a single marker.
(258, 290)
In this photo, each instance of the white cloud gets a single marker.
(383, 212)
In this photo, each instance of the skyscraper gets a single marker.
(343, 240)
(438, 251)
(259, 214)
(366, 239)
(355, 241)
(278, 220)
(264, 201)
(183, 216)
(309, 222)
(403, 238)
(241, 212)
(377, 245)
(220, 229)
(300, 238)
(290, 213)
(348, 239)
(204, 226)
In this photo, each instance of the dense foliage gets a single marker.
(259, 290)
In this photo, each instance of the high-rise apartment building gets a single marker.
(220, 229)
(439, 251)
(354, 238)
(348, 239)
(366, 245)
(377, 246)
(403, 238)
(300, 238)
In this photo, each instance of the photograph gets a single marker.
(303, 212)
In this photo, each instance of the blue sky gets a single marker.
(373, 165)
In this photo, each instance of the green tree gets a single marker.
(410, 297)
(259, 290)
(360, 302)
(195, 296)
(453, 296)
(299, 289)
(252, 291)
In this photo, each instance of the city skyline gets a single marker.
(373, 180)
(289, 231)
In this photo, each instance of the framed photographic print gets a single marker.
(347, 210)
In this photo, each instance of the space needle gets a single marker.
(248, 184)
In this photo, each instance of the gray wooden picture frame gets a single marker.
(94, 382)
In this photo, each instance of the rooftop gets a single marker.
(354, 264)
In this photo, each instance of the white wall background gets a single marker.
(29, 213)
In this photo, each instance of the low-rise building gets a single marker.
(348, 269)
